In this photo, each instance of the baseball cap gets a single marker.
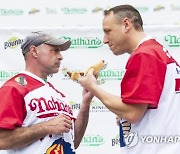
(40, 37)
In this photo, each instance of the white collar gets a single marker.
(33, 76)
(145, 39)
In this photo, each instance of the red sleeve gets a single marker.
(144, 79)
(12, 108)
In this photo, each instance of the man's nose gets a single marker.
(60, 56)
(105, 39)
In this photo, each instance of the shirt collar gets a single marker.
(145, 39)
(33, 76)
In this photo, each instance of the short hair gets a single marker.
(127, 11)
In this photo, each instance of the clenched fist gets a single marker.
(59, 124)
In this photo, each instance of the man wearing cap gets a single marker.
(34, 116)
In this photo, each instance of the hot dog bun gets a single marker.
(97, 67)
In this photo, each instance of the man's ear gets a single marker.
(127, 24)
(34, 51)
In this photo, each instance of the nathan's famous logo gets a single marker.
(48, 107)
(92, 140)
(85, 42)
(10, 12)
(110, 74)
(172, 40)
(7, 74)
(74, 10)
(13, 42)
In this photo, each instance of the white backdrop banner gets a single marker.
(27, 13)
(87, 48)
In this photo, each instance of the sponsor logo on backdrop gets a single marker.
(175, 8)
(92, 140)
(115, 141)
(67, 10)
(172, 40)
(142, 9)
(7, 74)
(11, 12)
(97, 9)
(131, 139)
(13, 42)
(110, 74)
(74, 106)
(96, 106)
(85, 42)
(34, 11)
(51, 11)
(159, 8)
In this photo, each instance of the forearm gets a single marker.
(81, 123)
(20, 137)
(130, 112)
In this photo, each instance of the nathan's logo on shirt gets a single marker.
(173, 40)
(48, 108)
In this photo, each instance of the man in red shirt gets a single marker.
(149, 89)
(34, 115)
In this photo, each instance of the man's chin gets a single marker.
(55, 71)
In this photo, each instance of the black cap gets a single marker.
(38, 38)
